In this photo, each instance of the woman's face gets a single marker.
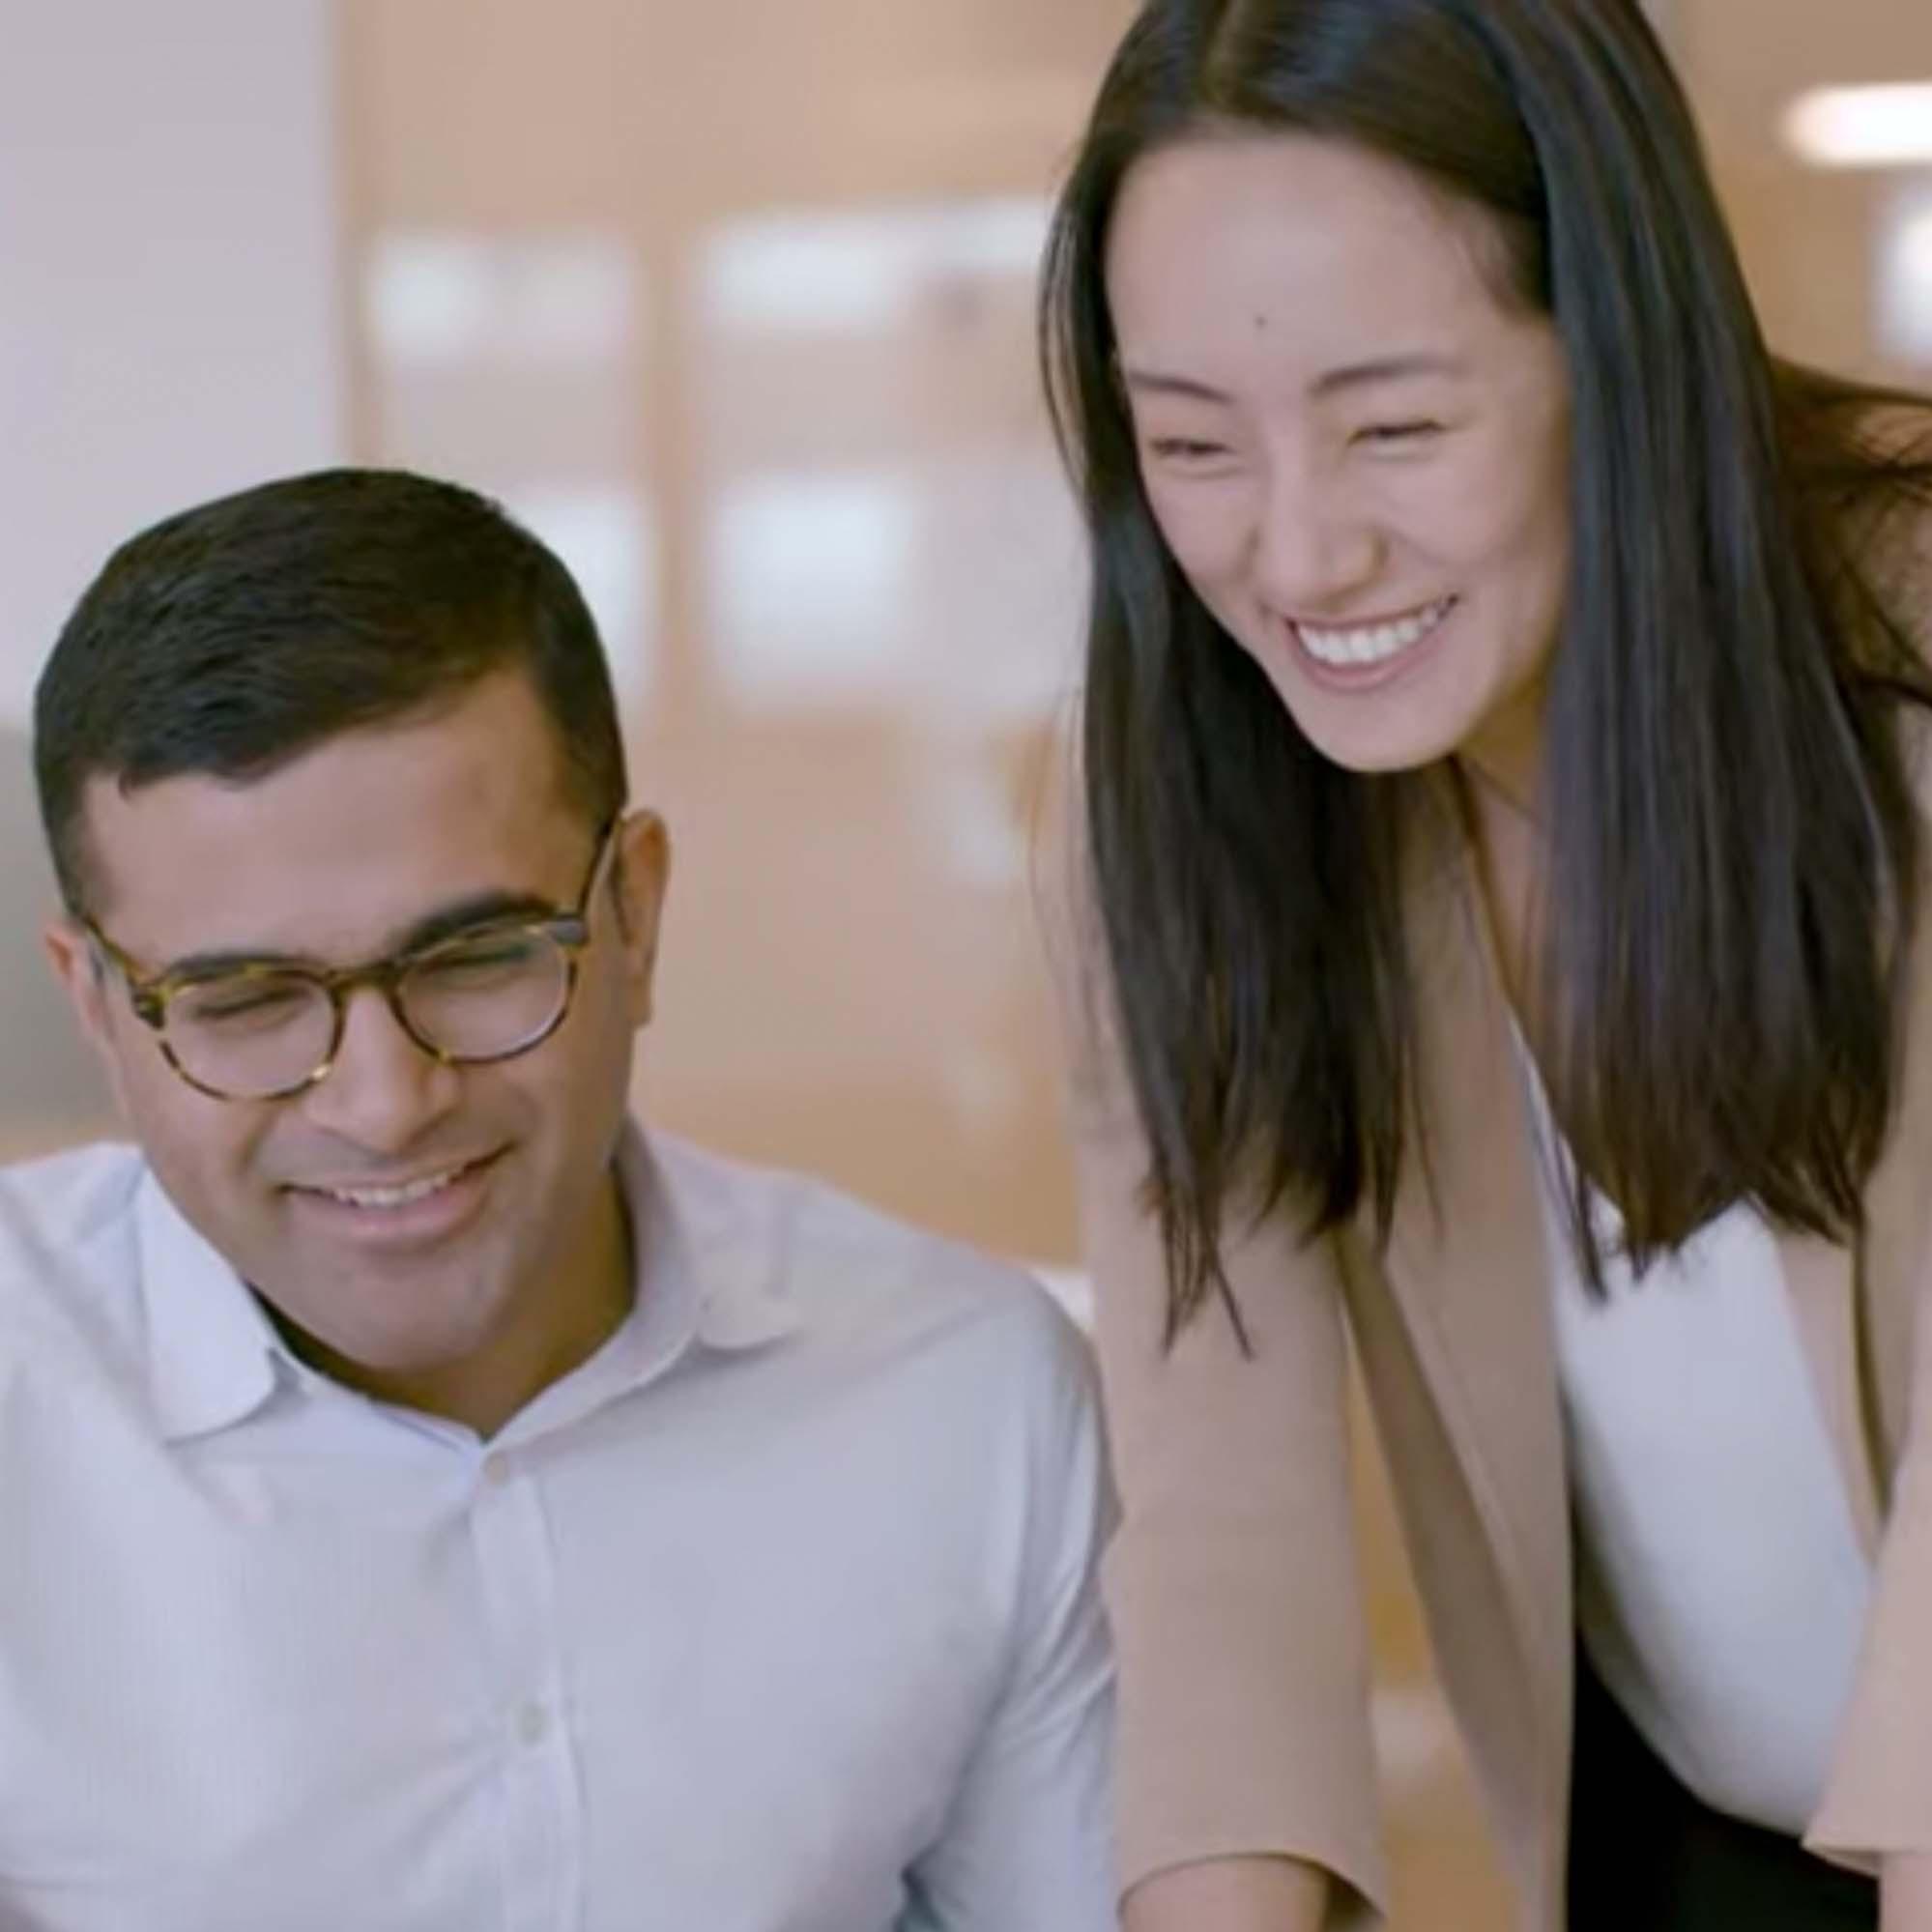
(1355, 447)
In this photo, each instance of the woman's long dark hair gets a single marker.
(1734, 838)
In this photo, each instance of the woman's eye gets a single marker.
(1386, 433)
(1185, 450)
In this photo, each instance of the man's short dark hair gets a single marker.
(232, 638)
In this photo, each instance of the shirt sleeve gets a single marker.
(1028, 1839)
(1233, 1584)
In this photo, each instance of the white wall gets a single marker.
(170, 316)
(170, 327)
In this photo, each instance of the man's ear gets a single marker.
(640, 877)
(83, 978)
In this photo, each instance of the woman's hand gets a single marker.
(1247, 1895)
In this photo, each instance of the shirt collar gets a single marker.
(691, 1224)
(706, 1272)
(212, 1351)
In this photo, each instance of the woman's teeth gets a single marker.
(1371, 644)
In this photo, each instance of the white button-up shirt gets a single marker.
(777, 1615)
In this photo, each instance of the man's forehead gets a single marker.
(317, 863)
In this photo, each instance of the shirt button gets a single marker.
(497, 1468)
(532, 1723)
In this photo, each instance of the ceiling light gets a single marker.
(1862, 127)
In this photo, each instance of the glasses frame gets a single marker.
(149, 995)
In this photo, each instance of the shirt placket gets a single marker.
(542, 1836)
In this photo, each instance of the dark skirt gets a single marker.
(1645, 1856)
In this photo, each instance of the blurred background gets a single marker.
(732, 303)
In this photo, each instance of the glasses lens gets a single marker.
(489, 995)
(251, 1034)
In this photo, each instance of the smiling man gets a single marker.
(430, 1501)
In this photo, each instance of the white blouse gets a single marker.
(1721, 1590)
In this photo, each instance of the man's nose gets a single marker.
(382, 1091)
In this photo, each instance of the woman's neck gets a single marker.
(1500, 774)
(1510, 844)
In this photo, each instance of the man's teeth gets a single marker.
(1371, 644)
(394, 1196)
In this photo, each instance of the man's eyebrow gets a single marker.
(461, 915)
(1331, 382)
(480, 908)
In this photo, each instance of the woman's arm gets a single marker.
(1245, 1763)
(1876, 1803)
(1240, 1895)
(1904, 1891)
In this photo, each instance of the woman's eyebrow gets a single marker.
(1388, 370)
(1331, 382)
(1157, 382)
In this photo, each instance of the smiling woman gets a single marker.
(1495, 937)
(1365, 492)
